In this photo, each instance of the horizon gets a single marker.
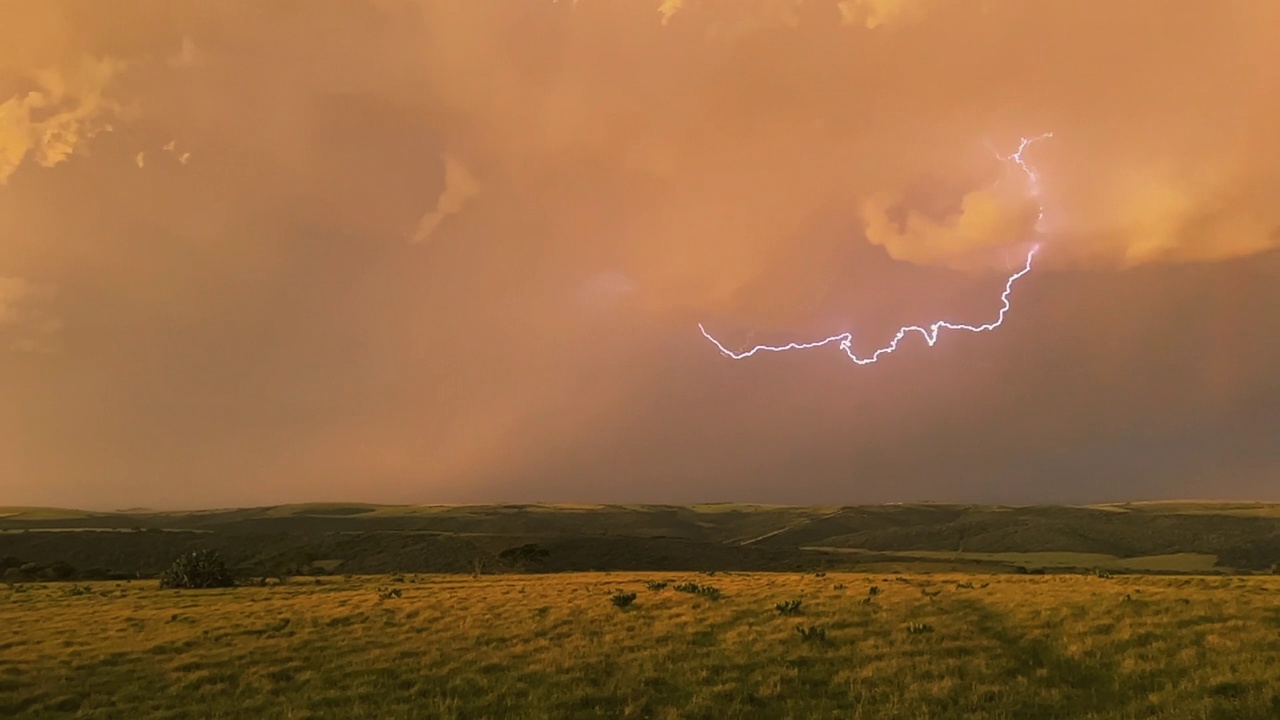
(6, 510)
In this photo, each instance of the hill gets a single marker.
(360, 538)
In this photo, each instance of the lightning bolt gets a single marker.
(930, 333)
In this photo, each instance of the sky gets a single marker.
(450, 251)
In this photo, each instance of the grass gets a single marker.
(1173, 562)
(510, 646)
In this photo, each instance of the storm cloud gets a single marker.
(447, 250)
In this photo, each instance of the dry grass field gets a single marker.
(556, 646)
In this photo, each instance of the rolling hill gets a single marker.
(360, 538)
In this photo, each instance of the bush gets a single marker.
(813, 633)
(790, 607)
(386, 593)
(530, 553)
(622, 600)
(59, 570)
(706, 591)
(198, 569)
(655, 585)
(916, 628)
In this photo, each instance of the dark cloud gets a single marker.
(424, 250)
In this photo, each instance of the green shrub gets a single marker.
(198, 569)
(655, 585)
(622, 600)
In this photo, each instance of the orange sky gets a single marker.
(447, 250)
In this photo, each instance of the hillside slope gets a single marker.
(355, 538)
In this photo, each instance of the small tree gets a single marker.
(197, 569)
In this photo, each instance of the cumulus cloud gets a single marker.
(985, 221)
(875, 13)
(46, 125)
(459, 187)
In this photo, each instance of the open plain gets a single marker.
(859, 645)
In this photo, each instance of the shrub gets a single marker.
(916, 628)
(59, 570)
(77, 590)
(386, 593)
(706, 591)
(873, 591)
(655, 585)
(813, 633)
(198, 569)
(529, 553)
(1104, 574)
(790, 607)
(622, 600)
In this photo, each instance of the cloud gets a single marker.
(459, 188)
(985, 221)
(609, 173)
(875, 13)
(25, 324)
(47, 124)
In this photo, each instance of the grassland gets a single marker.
(513, 646)
(1187, 563)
